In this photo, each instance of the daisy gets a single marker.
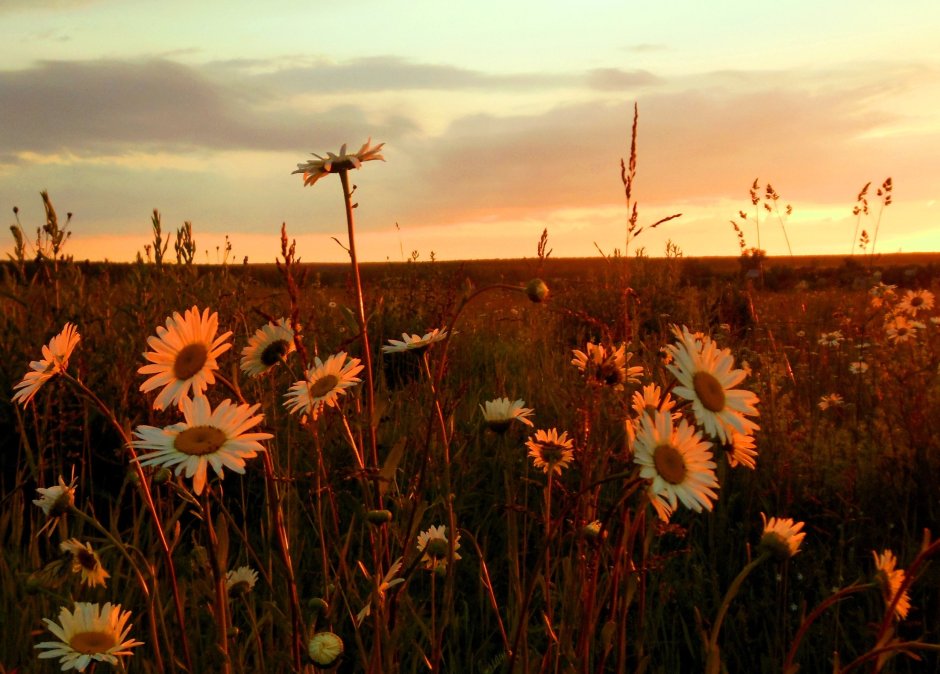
(55, 358)
(500, 413)
(183, 356)
(56, 500)
(832, 339)
(325, 383)
(647, 402)
(435, 548)
(269, 346)
(782, 536)
(881, 293)
(651, 400)
(890, 579)
(678, 462)
(742, 451)
(90, 632)
(858, 367)
(314, 169)
(900, 328)
(550, 451)
(415, 343)
(206, 437)
(831, 401)
(915, 301)
(706, 378)
(241, 580)
(599, 367)
(85, 561)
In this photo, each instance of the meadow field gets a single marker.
(690, 469)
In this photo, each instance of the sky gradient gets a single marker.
(500, 119)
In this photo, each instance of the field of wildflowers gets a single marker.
(637, 469)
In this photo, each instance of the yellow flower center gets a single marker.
(323, 385)
(189, 360)
(90, 642)
(199, 440)
(273, 352)
(669, 463)
(709, 391)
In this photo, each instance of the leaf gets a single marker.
(387, 472)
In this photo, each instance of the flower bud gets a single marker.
(325, 648)
(379, 516)
(536, 290)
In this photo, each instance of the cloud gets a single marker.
(49, 5)
(699, 139)
(614, 79)
(387, 73)
(108, 106)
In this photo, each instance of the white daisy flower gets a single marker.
(56, 500)
(915, 301)
(415, 343)
(89, 633)
(55, 359)
(207, 437)
(678, 462)
(324, 384)
(241, 580)
(499, 413)
(435, 547)
(890, 579)
(550, 451)
(706, 378)
(183, 356)
(314, 169)
(85, 561)
(269, 345)
(782, 536)
(606, 369)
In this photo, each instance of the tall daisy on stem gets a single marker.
(312, 171)
(780, 540)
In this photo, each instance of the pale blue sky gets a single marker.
(500, 118)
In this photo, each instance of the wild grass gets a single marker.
(402, 524)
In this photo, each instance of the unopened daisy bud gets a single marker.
(379, 516)
(34, 583)
(536, 290)
(325, 648)
(132, 476)
(318, 604)
(591, 529)
(162, 475)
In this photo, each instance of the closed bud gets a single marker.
(162, 475)
(325, 648)
(318, 604)
(379, 516)
(536, 290)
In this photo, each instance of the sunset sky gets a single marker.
(500, 119)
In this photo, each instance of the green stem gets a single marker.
(713, 661)
(144, 487)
